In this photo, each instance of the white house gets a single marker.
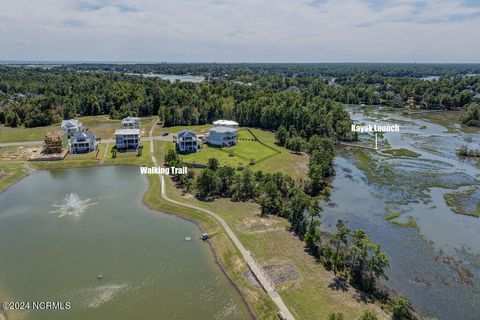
(83, 142)
(222, 136)
(225, 123)
(71, 127)
(187, 141)
(127, 138)
(131, 123)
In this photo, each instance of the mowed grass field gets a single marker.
(246, 150)
(21, 134)
(266, 155)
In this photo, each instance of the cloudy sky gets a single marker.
(241, 30)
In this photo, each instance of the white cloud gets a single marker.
(242, 30)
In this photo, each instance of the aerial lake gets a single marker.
(401, 202)
(85, 236)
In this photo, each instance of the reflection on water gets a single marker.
(72, 206)
(436, 265)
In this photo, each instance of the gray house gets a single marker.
(127, 138)
(222, 136)
(131, 123)
(187, 141)
(83, 142)
(71, 127)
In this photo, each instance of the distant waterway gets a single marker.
(62, 230)
(169, 77)
(437, 263)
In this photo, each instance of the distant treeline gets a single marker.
(258, 95)
(288, 69)
(36, 97)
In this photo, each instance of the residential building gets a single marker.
(225, 123)
(71, 127)
(127, 139)
(222, 136)
(83, 142)
(187, 141)
(131, 123)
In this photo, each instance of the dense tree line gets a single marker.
(36, 97)
(257, 95)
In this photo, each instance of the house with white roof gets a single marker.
(221, 136)
(187, 141)
(131, 123)
(127, 139)
(83, 142)
(225, 123)
(71, 127)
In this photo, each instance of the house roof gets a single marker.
(71, 123)
(186, 132)
(223, 122)
(127, 131)
(222, 129)
(85, 136)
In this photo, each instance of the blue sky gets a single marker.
(241, 30)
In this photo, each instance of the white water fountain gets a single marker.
(72, 206)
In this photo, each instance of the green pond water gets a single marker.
(60, 229)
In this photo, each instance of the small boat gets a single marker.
(99, 276)
(188, 238)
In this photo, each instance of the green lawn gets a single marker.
(129, 158)
(241, 154)
(94, 155)
(20, 134)
(266, 155)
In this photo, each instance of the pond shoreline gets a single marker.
(211, 245)
(182, 216)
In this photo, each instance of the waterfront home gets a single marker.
(71, 127)
(225, 123)
(131, 123)
(83, 142)
(127, 139)
(187, 141)
(222, 136)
